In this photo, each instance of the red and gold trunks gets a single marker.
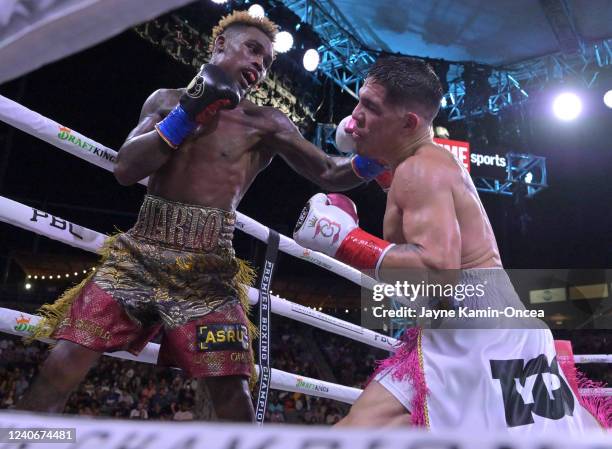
(175, 271)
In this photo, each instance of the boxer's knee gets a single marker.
(66, 366)
(62, 371)
(231, 398)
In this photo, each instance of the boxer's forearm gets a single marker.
(339, 174)
(144, 151)
(407, 256)
(330, 173)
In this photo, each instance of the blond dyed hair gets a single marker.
(269, 28)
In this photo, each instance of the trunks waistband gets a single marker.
(185, 227)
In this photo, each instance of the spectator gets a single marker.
(140, 412)
(183, 414)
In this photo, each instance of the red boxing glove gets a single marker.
(329, 224)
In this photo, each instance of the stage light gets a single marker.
(219, 2)
(528, 177)
(28, 286)
(311, 60)
(257, 11)
(608, 98)
(567, 106)
(441, 132)
(283, 42)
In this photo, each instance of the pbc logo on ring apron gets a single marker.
(531, 388)
(222, 337)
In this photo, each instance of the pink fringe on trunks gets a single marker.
(598, 406)
(406, 364)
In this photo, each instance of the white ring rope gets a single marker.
(33, 220)
(23, 216)
(38, 221)
(78, 145)
(593, 358)
(280, 380)
(47, 225)
(105, 433)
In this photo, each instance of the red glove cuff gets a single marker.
(362, 250)
(207, 114)
(384, 180)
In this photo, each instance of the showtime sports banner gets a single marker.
(477, 164)
(459, 149)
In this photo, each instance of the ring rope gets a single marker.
(85, 148)
(279, 380)
(22, 216)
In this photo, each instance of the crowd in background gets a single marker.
(132, 390)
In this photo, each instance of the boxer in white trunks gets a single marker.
(503, 378)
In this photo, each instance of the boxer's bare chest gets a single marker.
(217, 164)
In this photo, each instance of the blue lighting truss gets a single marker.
(583, 66)
(345, 59)
(505, 90)
(510, 86)
(525, 176)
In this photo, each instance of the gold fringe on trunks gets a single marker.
(53, 314)
(244, 278)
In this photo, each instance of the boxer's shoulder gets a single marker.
(430, 165)
(166, 95)
(251, 108)
(161, 101)
(266, 111)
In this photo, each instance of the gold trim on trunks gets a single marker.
(184, 227)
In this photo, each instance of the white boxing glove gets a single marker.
(323, 226)
(363, 167)
(344, 141)
(329, 224)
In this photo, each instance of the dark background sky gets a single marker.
(99, 93)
